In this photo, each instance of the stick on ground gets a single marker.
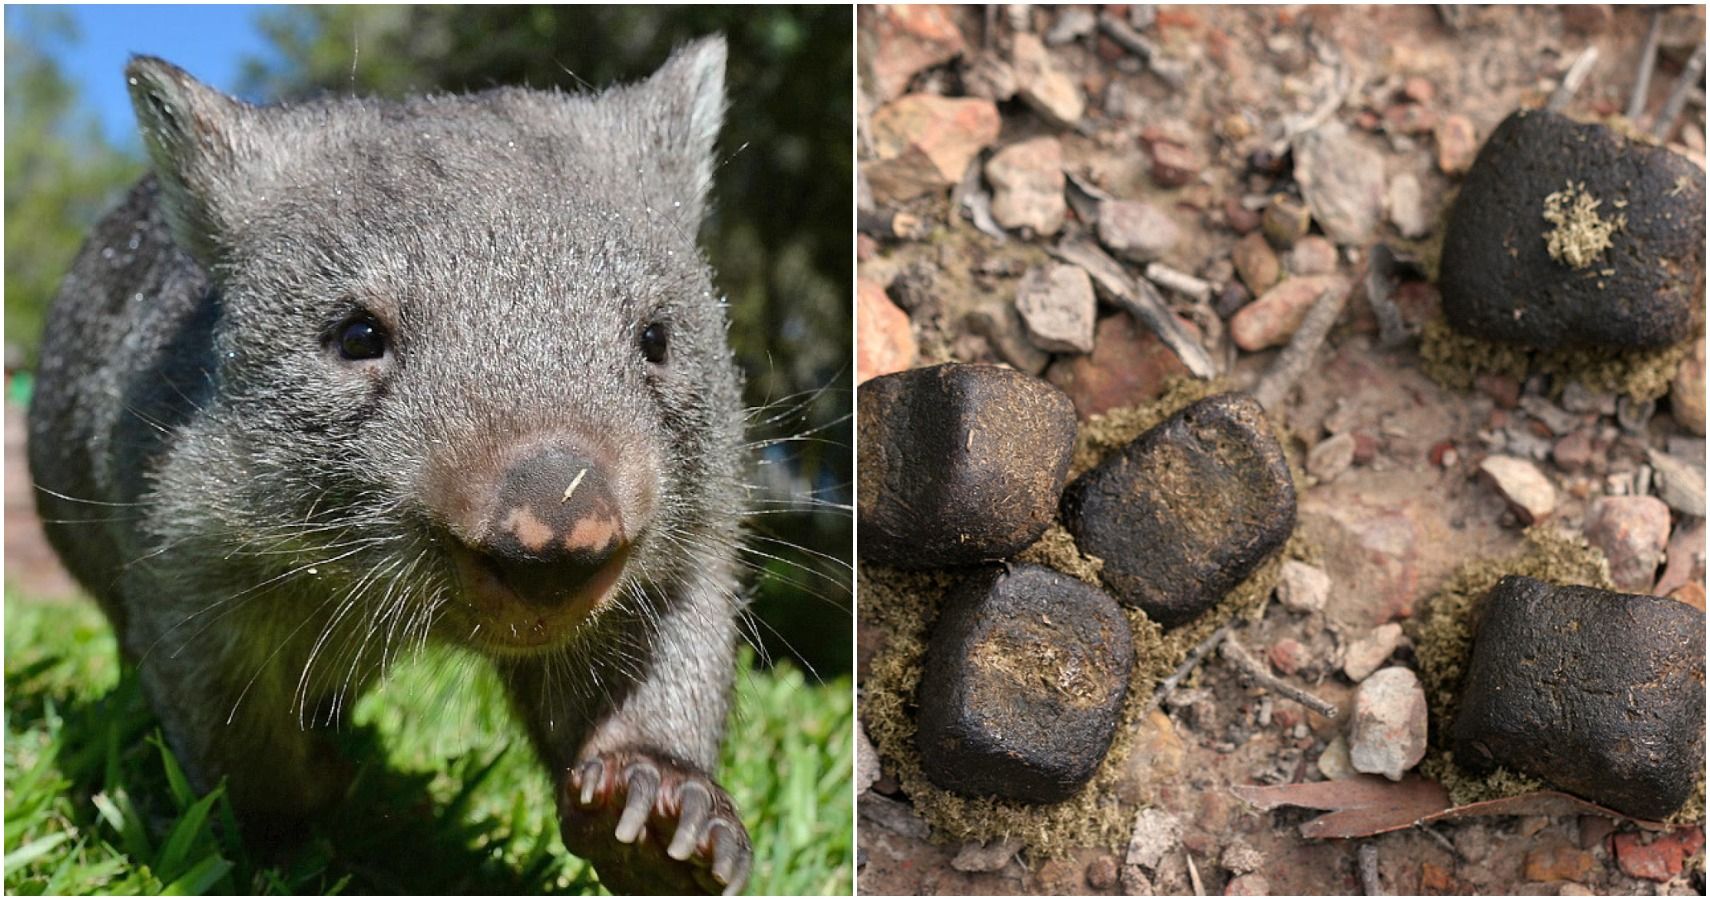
(1368, 870)
(1140, 299)
(1297, 356)
(1647, 64)
(1189, 663)
(1573, 80)
(1237, 654)
(1677, 95)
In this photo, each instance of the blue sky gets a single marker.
(210, 42)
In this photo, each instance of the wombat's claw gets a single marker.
(675, 830)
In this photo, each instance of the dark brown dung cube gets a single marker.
(1024, 682)
(959, 464)
(1187, 510)
(1618, 262)
(1598, 693)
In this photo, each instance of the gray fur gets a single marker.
(252, 515)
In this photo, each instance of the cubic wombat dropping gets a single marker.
(1596, 692)
(960, 463)
(357, 375)
(1023, 686)
(1187, 510)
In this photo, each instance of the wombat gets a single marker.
(341, 379)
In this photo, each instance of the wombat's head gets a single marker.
(470, 369)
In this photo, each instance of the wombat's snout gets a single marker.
(555, 534)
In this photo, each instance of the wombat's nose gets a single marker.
(557, 531)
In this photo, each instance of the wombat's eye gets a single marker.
(656, 343)
(360, 338)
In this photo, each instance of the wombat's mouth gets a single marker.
(511, 620)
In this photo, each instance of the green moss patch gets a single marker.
(1453, 360)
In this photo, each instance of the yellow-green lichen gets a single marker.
(1454, 360)
(1580, 235)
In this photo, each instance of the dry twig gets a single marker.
(1126, 37)
(1297, 356)
(1141, 300)
(1189, 663)
(1647, 64)
(1368, 870)
(1677, 95)
(1180, 282)
(1573, 80)
(1237, 654)
(1380, 270)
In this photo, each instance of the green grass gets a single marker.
(448, 799)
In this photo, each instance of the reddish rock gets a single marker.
(900, 41)
(1027, 185)
(865, 247)
(1250, 885)
(1409, 118)
(1102, 872)
(1457, 144)
(1241, 219)
(1504, 389)
(922, 143)
(1273, 318)
(1418, 89)
(1128, 366)
(1594, 831)
(1288, 655)
(1419, 302)
(1685, 558)
(1050, 91)
(1374, 548)
(1631, 532)
(1386, 732)
(1558, 862)
(1572, 451)
(1691, 594)
(1661, 859)
(1435, 878)
(1525, 488)
(1312, 255)
(1256, 263)
(1174, 165)
(884, 339)
(1365, 447)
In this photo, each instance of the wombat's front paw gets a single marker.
(653, 826)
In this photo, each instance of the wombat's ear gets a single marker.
(193, 133)
(685, 98)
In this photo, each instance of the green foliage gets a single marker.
(448, 799)
(61, 175)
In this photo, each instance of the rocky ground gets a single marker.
(990, 136)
